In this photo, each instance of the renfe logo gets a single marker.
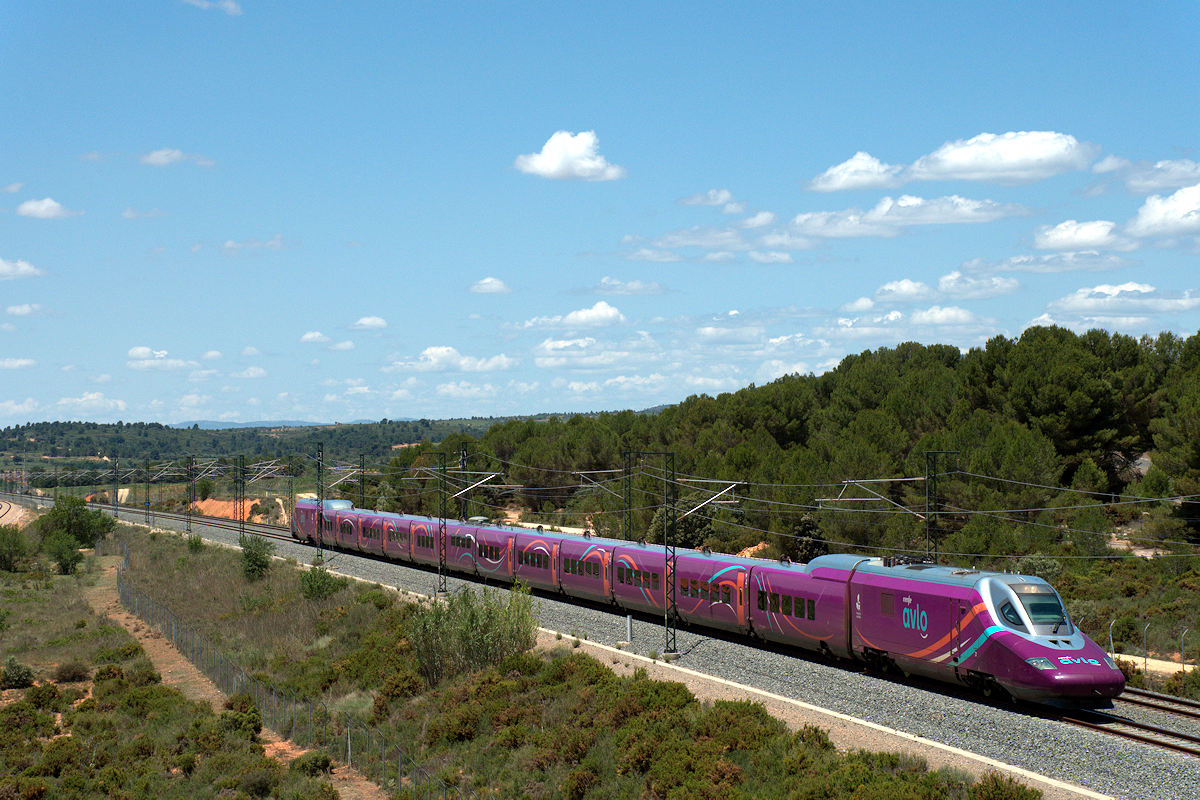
(1067, 660)
(916, 619)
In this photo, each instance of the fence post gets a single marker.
(1111, 651)
(349, 726)
(1146, 650)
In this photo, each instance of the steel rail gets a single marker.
(1139, 734)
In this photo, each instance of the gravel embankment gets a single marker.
(1100, 763)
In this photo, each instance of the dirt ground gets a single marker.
(177, 671)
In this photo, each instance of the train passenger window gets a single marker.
(774, 603)
(654, 581)
(725, 593)
(762, 601)
(812, 609)
(695, 588)
(704, 590)
(887, 604)
(787, 605)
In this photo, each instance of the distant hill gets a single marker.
(212, 425)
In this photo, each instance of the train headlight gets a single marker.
(1111, 664)
(1040, 663)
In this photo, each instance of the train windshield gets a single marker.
(1043, 607)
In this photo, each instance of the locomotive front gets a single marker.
(1039, 654)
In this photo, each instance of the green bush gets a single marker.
(256, 557)
(195, 543)
(319, 583)
(15, 675)
(71, 671)
(45, 696)
(993, 786)
(471, 630)
(63, 549)
(312, 764)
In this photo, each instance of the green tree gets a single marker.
(72, 517)
(12, 547)
(63, 549)
(204, 488)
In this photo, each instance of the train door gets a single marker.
(554, 571)
(958, 615)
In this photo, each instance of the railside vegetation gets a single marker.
(507, 720)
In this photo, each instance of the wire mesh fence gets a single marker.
(308, 723)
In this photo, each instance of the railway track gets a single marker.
(1161, 702)
(224, 523)
(1125, 728)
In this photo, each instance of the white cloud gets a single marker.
(714, 334)
(1144, 177)
(46, 208)
(92, 401)
(159, 362)
(938, 315)
(12, 188)
(759, 220)
(251, 351)
(889, 215)
(342, 346)
(957, 284)
(211, 355)
(23, 310)
(1173, 215)
(16, 363)
(651, 382)
(859, 305)
(168, 156)
(466, 391)
(648, 254)
(228, 6)
(1081, 261)
(713, 197)
(598, 315)
(142, 352)
(568, 155)
(612, 286)
(901, 291)
(1072, 235)
(7, 327)
(314, 336)
(274, 243)
(1013, 157)
(131, 213)
(194, 400)
(1110, 163)
(770, 257)
(783, 240)
(704, 237)
(10, 407)
(861, 171)
(443, 358)
(582, 353)
(11, 270)
(720, 257)
(250, 372)
(197, 375)
(1124, 298)
(490, 285)
(370, 324)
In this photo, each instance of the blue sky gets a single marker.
(252, 211)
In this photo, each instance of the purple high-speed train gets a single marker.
(986, 630)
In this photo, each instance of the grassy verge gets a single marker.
(99, 723)
(457, 684)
